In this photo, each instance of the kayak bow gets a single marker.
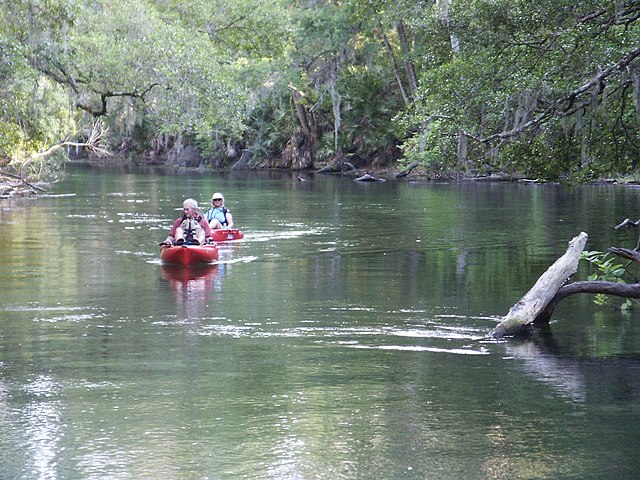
(189, 254)
(226, 234)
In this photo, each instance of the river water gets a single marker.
(343, 338)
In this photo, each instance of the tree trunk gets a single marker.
(299, 152)
(536, 300)
(443, 7)
(396, 71)
(406, 56)
(298, 98)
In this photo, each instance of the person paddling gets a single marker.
(190, 228)
(218, 215)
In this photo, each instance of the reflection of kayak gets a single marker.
(225, 234)
(178, 273)
(189, 254)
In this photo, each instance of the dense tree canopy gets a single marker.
(550, 89)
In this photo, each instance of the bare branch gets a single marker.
(92, 143)
(626, 223)
(623, 290)
(22, 179)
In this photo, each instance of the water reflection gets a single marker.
(43, 427)
(192, 287)
(544, 358)
(543, 363)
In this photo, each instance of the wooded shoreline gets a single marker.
(409, 85)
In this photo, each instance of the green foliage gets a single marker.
(518, 57)
(607, 269)
(149, 68)
(492, 76)
(35, 112)
(426, 147)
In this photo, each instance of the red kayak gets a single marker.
(226, 234)
(189, 254)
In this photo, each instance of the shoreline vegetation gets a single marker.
(518, 90)
(15, 184)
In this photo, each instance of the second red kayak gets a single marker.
(189, 254)
(226, 234)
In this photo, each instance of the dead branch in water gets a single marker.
(537, 306)
(523, 313)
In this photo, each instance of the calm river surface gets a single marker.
(341, 339)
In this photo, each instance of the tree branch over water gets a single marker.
(62, 76)
(564, 106)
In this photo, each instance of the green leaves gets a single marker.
(517, 79)
(505, 83)
(607, 269)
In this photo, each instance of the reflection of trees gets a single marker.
(41, 427)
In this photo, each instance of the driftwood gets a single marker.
(367, 177)
(537, 306)
(407, 170)
(337, 167)
(522, 315)
(22, 180)
(626, 223)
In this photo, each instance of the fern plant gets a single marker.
(609, 270)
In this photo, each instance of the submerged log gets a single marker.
(522, 315)
(367, 177)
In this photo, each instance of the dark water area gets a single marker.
(343, 338)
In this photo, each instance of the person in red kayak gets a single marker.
(190, 228)
(218, 215)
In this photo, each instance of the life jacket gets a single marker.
(190, 227)
(224, 211)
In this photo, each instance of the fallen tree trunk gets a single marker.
(22, 180)
(522, 315)
(407, 170)
(367, 177)
(338, 167)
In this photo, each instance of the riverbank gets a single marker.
(12, 185)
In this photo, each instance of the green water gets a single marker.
(343, 338)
